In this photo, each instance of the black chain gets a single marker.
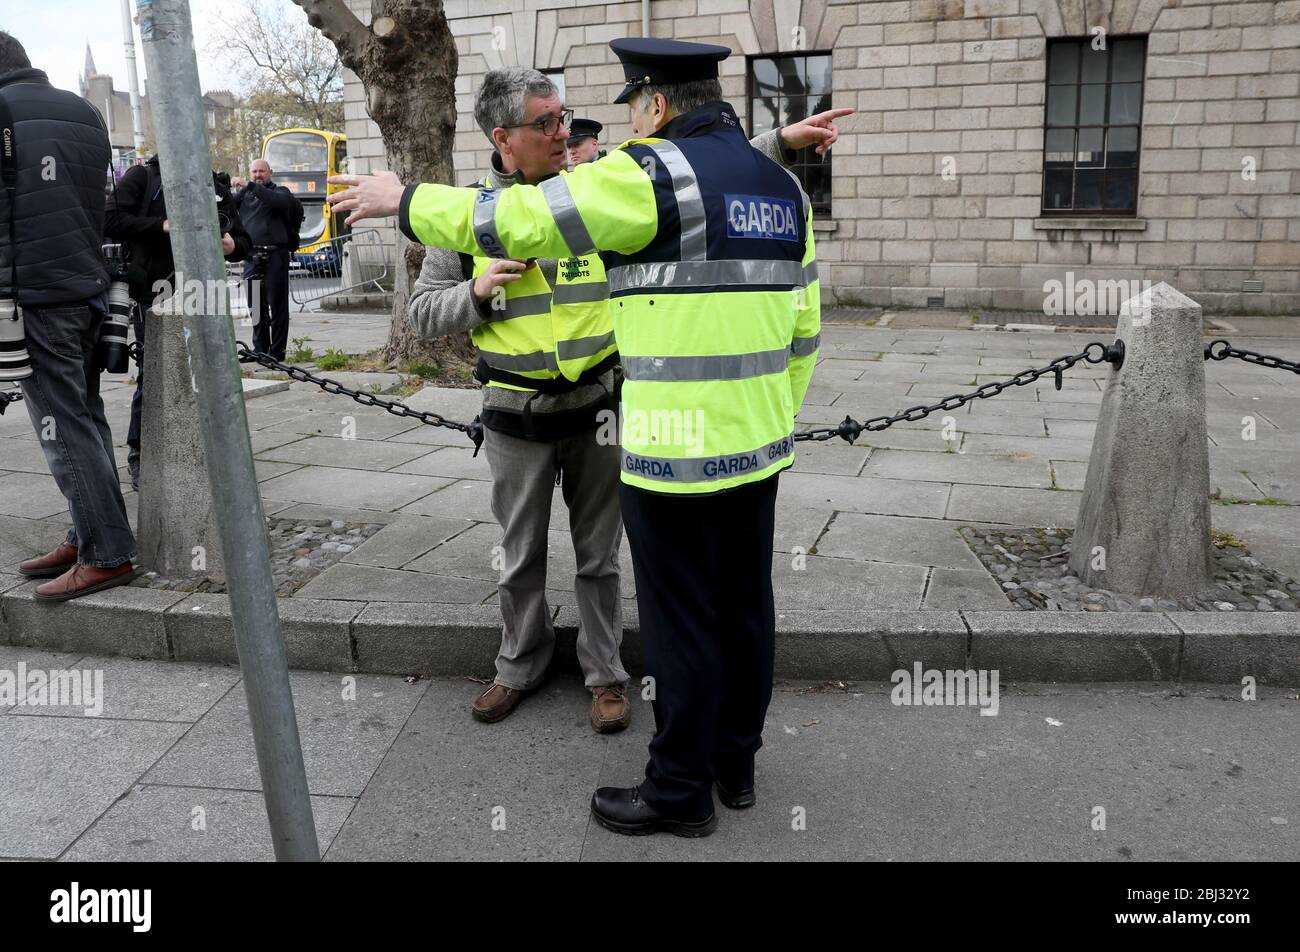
(1214, 352)
(850, 429)
(473, 429)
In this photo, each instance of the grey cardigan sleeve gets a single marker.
(442, 301)
(769, 143)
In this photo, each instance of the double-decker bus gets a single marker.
(301, 160)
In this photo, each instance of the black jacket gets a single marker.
(136, 211)
(267, 211)
(63, 157)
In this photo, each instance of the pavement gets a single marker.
(1184, 767)
(879, 516)
(399, 771)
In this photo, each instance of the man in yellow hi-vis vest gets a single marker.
(708, 251)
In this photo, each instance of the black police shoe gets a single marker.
(741, 799)
(622, 810)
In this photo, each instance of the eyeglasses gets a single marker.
(547, 125)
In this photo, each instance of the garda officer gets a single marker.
(708, 250)
(584, 141)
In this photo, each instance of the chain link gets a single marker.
(1214, 352)
(850, 429)
(473, 429)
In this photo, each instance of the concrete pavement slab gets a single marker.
(346, 724)
(1012, 506)
(454, 789)
(372, 455)
(33, 496)
(814, 582)
(897, 539)
(328, 485)
(405, 539)
(959, 588)
(452, 462)
(959, 468)
(164, 824)
(50, 800)
(142, 690)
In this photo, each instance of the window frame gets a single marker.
(1105, 126)
(826, 208)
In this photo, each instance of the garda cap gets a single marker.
(648, 60)
(583, 129)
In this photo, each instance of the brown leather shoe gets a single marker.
(52, 564)
(610, 710)
(496, 703)
(82, 580)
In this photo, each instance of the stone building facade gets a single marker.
(1162, 145)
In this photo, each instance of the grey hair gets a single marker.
(504, 94)
(683, 97)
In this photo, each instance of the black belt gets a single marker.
(551, 386)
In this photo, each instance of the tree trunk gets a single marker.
(407, 62)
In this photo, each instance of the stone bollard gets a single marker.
(1144, 521)
(177, 520)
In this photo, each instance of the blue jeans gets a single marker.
(62, 397)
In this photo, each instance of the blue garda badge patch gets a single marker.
(760, 216)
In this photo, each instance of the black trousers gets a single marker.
(268, 300)
(703, 567)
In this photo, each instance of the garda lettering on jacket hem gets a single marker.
(760, 216)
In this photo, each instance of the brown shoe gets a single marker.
(496, 703)
(610, 710)
(82, 580)
(51, 564)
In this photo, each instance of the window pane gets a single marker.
(816, 180)
(819, 75)
(1060, 148)
(1121, 190)
(1089, 153)
(762, 114)
(1060, 105)
(1121, 147)
(793, 76)
(1094, 64)
(1092, 105)
(1056, 188)
(1125, 103)
(766, 80)
(1128, 61)
(1063, 63)
(794, 109)
(1087, 188)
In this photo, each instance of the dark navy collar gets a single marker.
(698, 122)
(27, 75)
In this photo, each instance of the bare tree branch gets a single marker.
(340, 26)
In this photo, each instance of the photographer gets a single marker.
(272, 215)
(51, 264)
(136, 216)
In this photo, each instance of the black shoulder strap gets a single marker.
(9, 175)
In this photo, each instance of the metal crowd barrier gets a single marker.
(349, 262)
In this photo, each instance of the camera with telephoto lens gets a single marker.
(112, 352)
(14, 362)
(259, 256)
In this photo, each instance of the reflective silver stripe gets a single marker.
(485, 224)
(810, 273)
(688, 274)
(583, 346)
(709, 468)
(805, 346)
(581, 293)
(520, 307)
(537, 360)
(720, 367)
(690, 204)
(567, 217)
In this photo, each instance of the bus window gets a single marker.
(296, 152)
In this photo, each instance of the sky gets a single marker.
(55, 33)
